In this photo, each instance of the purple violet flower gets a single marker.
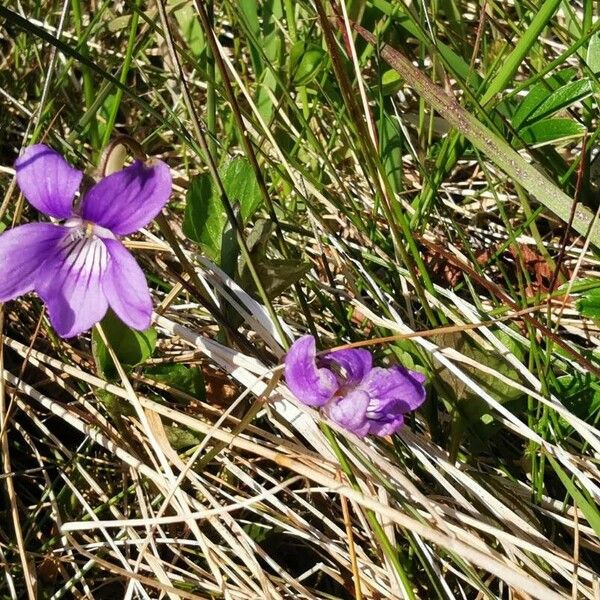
(80, 268)
(359, 397)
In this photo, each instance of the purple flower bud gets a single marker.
(354, 394)
(80, 268)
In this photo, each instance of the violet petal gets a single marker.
(47, 180)
(355, 362)
(22, 251)
(126, 288)
(386, 426)
(128, 200)
(350, 411)
(311, 385)
(70, 283)
(396, 389)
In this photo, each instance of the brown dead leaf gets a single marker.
(220, 391)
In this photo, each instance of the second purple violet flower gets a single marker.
(345, 385)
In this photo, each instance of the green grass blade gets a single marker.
(496, 149)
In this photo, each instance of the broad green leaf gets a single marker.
(259, 236)
(551, 130)
(391, 82)
(589, 304)
(456, 64)
(117, 407)
(276, 275)
(534, 99)
(131, 347)
(528, 38)
(280, 274)
(260, 533)
(476, 410)
(185, 379)
(391, 142)
(241, 186)
(189, 26)
(205, 218)
(539, 93)
(593, 54)
(580, 393)
(248, 11)
(268, 81)
(119, 23)
(561, 98)
(306, 62)
(583, 284)
(181, 438)
(272, 46)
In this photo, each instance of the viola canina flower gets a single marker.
(80, 267)
(359, 397)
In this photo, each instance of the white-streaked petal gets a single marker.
(70, 282)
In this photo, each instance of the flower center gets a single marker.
(89, 228)
(82, 248)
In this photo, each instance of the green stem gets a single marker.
(112, 117)
(211, 99)
(88, 82)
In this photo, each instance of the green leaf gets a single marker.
(528, 38)
(190, 28)
(306, 62)
(259, 532)
(551, 130)
(268, 81)
(241, 186)
(549, 95)
(205, 218)
(117, 407)
(456, 64)
(593, 54)
(276, 275)
(589, 304)
(583, 284)
(589, 509)
(534, 99)
(185, 379)
(181, 438)
(391, 82)
(391, 143)
(476, 410)
(258, 237)
(131, 347)
(561, 98)
(249, 8)
(580, 393)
